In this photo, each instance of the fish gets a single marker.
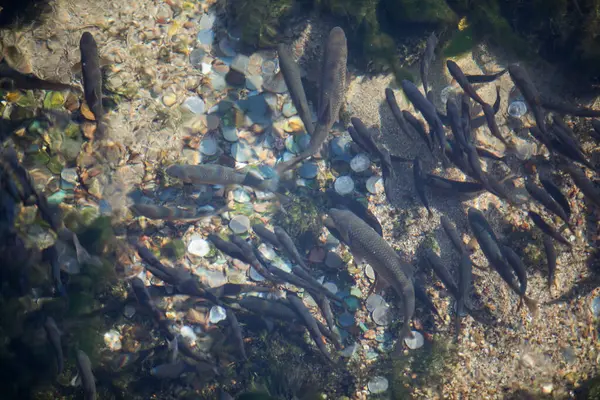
(362, 143)
(266, 234)
(589, 188)
(358, 208)
(310, 323)
(288, 245)
(173, 347)
(422, 296)
(557, 195)
(546, 200)
(366, 244)
(485, 78)
(542, 137)
(463, 82)
(92, 79)
(50, 254)
(467, 125)
(237, 332)
(293, 81)
(569, 147)
(11, 79)
(442, 272)
(465, 281)
(368, 140)
(84, 366)
(418, 126)
(493, 125)
(518, 267)
(428, 58)
(550, 258)
(153, 211)
(454, 115)
(595, 132)
(396, 112)
(449, 185)
(548, 229)
(250, 255)
(420, 184)
(532, 97)
(54, 337)
(488, 154)
(475, 164)
(453, 235)
(565, 132)
(325, 307)
(171, 370)
(488, 243)
(565, 108)
(227, 247)
(213, 174)
(223, 395)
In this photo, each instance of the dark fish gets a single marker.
(565, 108)
(269, 308)
(488, 154)
(428, 57)
(518, 267)
(237, 332)
(467, 125)
(491, 121)
(589, 188)
(92, 78)
(266, 234)
(463, 82)
(489, 245)
(541, 137)
(456, 124)
(141, 293)
(548, 229)
(418, 126)
(325, 308)
(485, 78)
(171, 370)
(458, 187)
(546, 200)
(356, 138)
(465, 280)
(442, 272)
(358, 208)
(391, 100)
(569, 147)
(153, 211)
(11, 79)
(293, 81)
(51, 255)
(310, 323)
(288, 245)
(551, 258)
(366, 244)
(422, 296)
(453, 235)
(228, 248)
(532, 97)
(84, 366)
(557, 195)
(214, 174)
(420, 184)
(223, 395)
(596, 131)
(54, 336)
(475, 164)
(565, 132)
(368, 140)
(250, 255)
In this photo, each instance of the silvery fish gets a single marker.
(214, 174)
(152, 211)
(293, 81)
(428, 58)
(84, 366)
(54, 336)
(92, 78)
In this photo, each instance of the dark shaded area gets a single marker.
(23, 12)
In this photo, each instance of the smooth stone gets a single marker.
(446, 93)
(303, 141)
(112, 339)
(187, 332)
(215, 278)
(230, 133)
(346, 320)
(352, 303)
(309, 301)
(69, 175)
(241, 152)
(57, 197)
(349, 351)
(208, 146)
(282, 265)
(374, 301)
(217, 82)
(289, 109)
(371, 355)
(206, 37)
(333, 260)
(195, 104)
(344, 185)
(595, 306)
(198, 247)
(374, 185)
(255, 276)
(382, 315)
(270, 67)
(227, 46)
(217, 314)
(239, 224)
(360, 163)
(207, 21)
(254, 82)
(416, 342)
(287, 156)
(267, 251)
(370, 272)
(196, 57)
(256, 108)
(235, 78)
(340, 146)
(241, 196)
(354, 291)
(240, 63)
(332, 287)
(308, 170)
(517, 109)
(378, 384)
(291, 145)
(293, 125)
(212, 122)
(205, 68)
(275, 84)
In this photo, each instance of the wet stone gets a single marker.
(241, 196)
(240, 63)
(239, 224)
(291, 145)
(371, 355)
(255, 276)
(267, 251)
(206, 37)
(217, 81)
(374, 301)
(332, 287)
(378, 384)
(230, 133)
(241, 152)
(235, 78)
(344, 185)
(352, 303)
(196, 57)
(416, 342)
(346, 320)
(374, 185)
(360, 163)
(57, 198)
(69, 175)
(208, 146)
(112, 339)
(187, 332)
(194, 104)
(370, 272)
(198, 246)
(227, 46)
(309, 301)
(217, 314)
(308, 170)
(289, 109)
(349, 351)
(254, 82)
(207, 21)
(517, 109)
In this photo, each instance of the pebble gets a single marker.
(195, 104)
(112, 339)
(217, 82)
(360, 163)
(254, 82)
(289, 109)
(69, 175)
(382, 315)
(240, 63)
(332, 287)
(416, 342)
(188, 333)
(241, 196)
(346, 320)
(209, 146)
(275, 84)
(333, 260)
(303, 141)
(371, 355)
(212, 122)
(349, 351)
(309, 301)
(374, 301)
(255, 276)
(207, 21)
(353, 303)
(446, 93)
(308, 170)
(241, 152)
(374, 185)
(196, 57)
(293, 125)
(227, 46)
(217, 314)
(270, 67)
(57, 197)
(370, 272)
(239, 224)
(198, 246)
(340, 145)
(206, 37)
(517, 109)
(291, 145)
(344, 185)
(267, 251)
(378, 384)
(595, 306)
(230, 133)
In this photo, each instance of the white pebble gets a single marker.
(112, 339)
(360, 163)
(416, 342)
(208, 146)
(331, 287)
(375, 184)
(517, 109)
(198, 246)
(217, 314)
(344, 185)
(239, 224)
(194, 104)
(378, 384)
(188, 333)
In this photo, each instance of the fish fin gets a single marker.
(532, 305)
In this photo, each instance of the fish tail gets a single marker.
(532, 305)
(406, 333)
(520, 303)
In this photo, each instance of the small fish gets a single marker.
(532, 97)
(594, 132)
(368, 140)
(214, 174)
(310, 323)
(228, 248)
(541, 137)
(50, 254)
(92, 78)
(557, 195)
(458, 187)
(266, 234)
(418, 126)
(485, 78)
(422, 296)
(453, 235)
(11, 80)
(465, 281)
(293, 81)
(569, 147)
(442, 272)
(589, 188)
(548, 229)
(565, 108)
(84, 366)
(171, 370)
(454, 115)
(551, 259)
(288, 245)
(491, 249)
(546, 200)
(428, 58)
(366, 244)
(362, 143)
(391, 100)
(54, 336)
(518, 267)
(173, 346)
(565, 132)
(463, 82)
(142, 295)
(475, 164)
(152, 211)
(492, 124)
(325, 308)
(467, 125)
(250, 255)
(419, 179)
(358, 208)
(488, 154)
(237, 332)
